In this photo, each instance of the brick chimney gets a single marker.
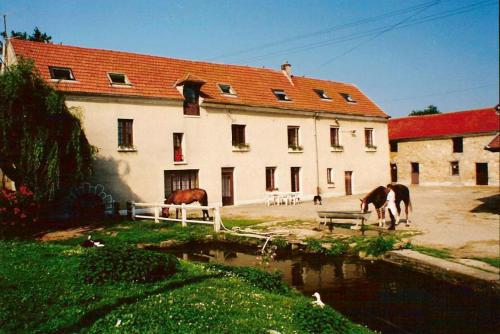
(286, 68)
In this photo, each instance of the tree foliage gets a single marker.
(42, 144)
(36, 36)
(430, 110)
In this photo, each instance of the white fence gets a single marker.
(157, 208)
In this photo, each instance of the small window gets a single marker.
(455, 168)
(293, 138)
(334, 137)
(61, 73)
(329, 176)
(322, 94)
(458, 145)
(281, 95)
(369, 138)
(394, 146)
(118, 79)
(178, 144)
(270, 185)
(238, 135)
(348, 97)
(227, 89)
(191, 98)
(125, 133)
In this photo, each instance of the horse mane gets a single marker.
(373, 192)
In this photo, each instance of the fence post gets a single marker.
(157, 214)
(217, 220)
(184, 215)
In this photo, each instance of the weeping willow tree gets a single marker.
(42, 144)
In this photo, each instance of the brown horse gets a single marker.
(378, 196)
(187, 196)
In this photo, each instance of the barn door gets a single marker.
(394, 173)
(481, 173)
(348, 182)
(227, 186)
(415, 173)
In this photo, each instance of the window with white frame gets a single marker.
(179, 147)
(270, 182)
(281, 95)
(294, 138)
(369, 143)
(238, 136)
(334, 136)
(118, 79)
(329, 176)
(125, 133)
(226, 89)
(61, 73)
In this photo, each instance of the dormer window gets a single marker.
(281, 95)
(322, 94)
(118, 79)
(191, 97)
(226, 89)
(61, 73)
(348, 97)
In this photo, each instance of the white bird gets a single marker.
(318, 301)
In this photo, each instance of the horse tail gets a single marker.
(204, 199)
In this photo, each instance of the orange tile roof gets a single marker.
(153, 76)
(447, 124)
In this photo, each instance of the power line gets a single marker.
(358, 35)
(439, 94)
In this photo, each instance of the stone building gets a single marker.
(162, 124)
(456, 148)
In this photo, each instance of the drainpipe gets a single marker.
(316, 153)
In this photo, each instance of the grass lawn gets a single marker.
(41, 291)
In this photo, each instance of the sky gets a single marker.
(405, 55)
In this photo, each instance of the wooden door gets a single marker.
(394, 173)
(415, 173)
(227, 186)
(481, 173)
(295, 179)
(348, 182)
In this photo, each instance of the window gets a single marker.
(180, 179)
(118, 79)
(394, 146)
(238, 136)
(61, 73)
(191, 97)
(178, 144)
(369, 138)
(270, 185)
(458, 145)
(322, 94)
(329, 176)
(348, 97)
(227, 89)
(281, 95)
(334, 137)
(295, 179)
(455, 168)
(125, 133)
(293, 138)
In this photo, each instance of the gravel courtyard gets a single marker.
(463, 219)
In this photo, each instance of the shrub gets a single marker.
(280, 242)
(113, 263)
(17, 208)
(313, 245)
(338, 248)
(261, 279)
(379, 245)
(313, 319)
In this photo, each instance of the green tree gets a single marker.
(42, 144)
(36, 36)
(430, 110)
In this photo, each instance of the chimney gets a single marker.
(286, 68)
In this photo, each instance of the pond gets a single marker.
(380, 295)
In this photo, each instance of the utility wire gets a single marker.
(425, 19)
(438, 94)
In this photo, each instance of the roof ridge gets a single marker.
(444, 113)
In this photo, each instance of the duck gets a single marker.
(318, 301)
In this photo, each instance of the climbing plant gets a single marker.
(42, 143)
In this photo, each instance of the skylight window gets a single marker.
(348, 97)
(322, 94)
(281, 95)
(61, 73)
(226, 89)
(118, 79)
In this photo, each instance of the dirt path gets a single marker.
(463, 219)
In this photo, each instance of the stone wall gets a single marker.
(435, 156)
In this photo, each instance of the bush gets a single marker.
(338, 248)
(17, 208)
(261, 279)
(313, 319)
(379, 245)
(314, 246)
(113, 263)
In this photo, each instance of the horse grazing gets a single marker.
(187, 196)
(378, 196)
